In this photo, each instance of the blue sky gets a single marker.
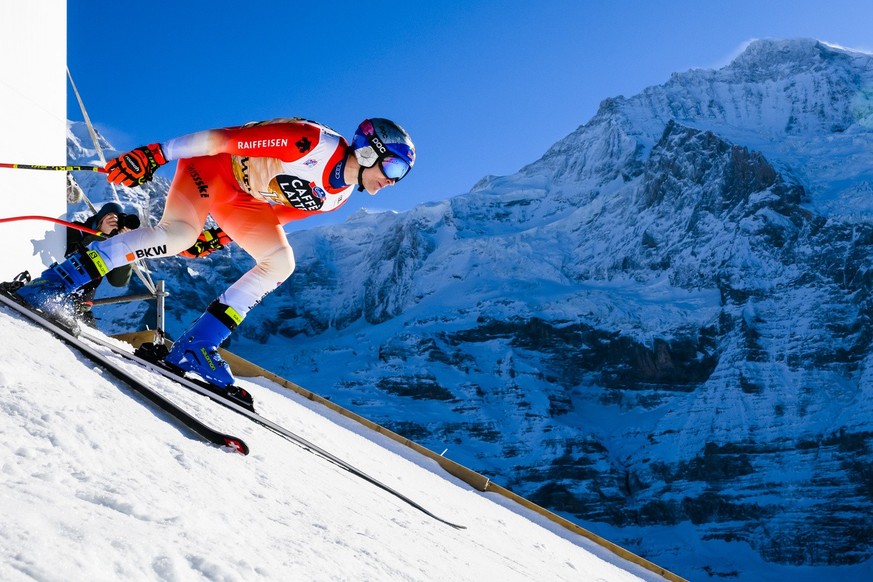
(483, 86)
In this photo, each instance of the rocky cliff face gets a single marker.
(661, 329)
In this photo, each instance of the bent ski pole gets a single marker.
(55, 220)
(54, 168)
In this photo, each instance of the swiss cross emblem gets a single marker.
(304, 145)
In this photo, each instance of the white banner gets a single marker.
(33, 130)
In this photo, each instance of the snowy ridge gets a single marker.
(657, 329)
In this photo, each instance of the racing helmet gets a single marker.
(379, 140)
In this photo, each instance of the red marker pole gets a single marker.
(55, 220)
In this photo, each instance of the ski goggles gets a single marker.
(393, 167)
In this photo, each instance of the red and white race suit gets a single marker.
(252, 179)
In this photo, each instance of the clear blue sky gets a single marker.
(483, 86)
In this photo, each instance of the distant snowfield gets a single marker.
(96, 485)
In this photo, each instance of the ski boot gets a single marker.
(51, 292)
(196, 351)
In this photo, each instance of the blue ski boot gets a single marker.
(196, 351)
(51, 291)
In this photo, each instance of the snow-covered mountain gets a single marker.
(661, 329)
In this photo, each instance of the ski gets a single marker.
(209, 391)
(71, 336)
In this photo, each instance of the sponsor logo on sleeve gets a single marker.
(156, 251)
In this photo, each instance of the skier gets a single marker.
(109, 220)
(252, 179)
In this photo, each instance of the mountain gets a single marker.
(660, 329)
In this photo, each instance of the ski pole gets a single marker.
(54, 168)
(55, 220)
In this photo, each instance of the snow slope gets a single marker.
(95, 485)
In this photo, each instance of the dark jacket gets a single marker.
(78, 240)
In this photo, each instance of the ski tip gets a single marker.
(235, 445)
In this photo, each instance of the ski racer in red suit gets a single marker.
(252, 179)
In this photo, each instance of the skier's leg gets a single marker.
(182, 222)
(253, 225)
(255, 228)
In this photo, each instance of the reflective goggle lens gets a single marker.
(394, 168)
